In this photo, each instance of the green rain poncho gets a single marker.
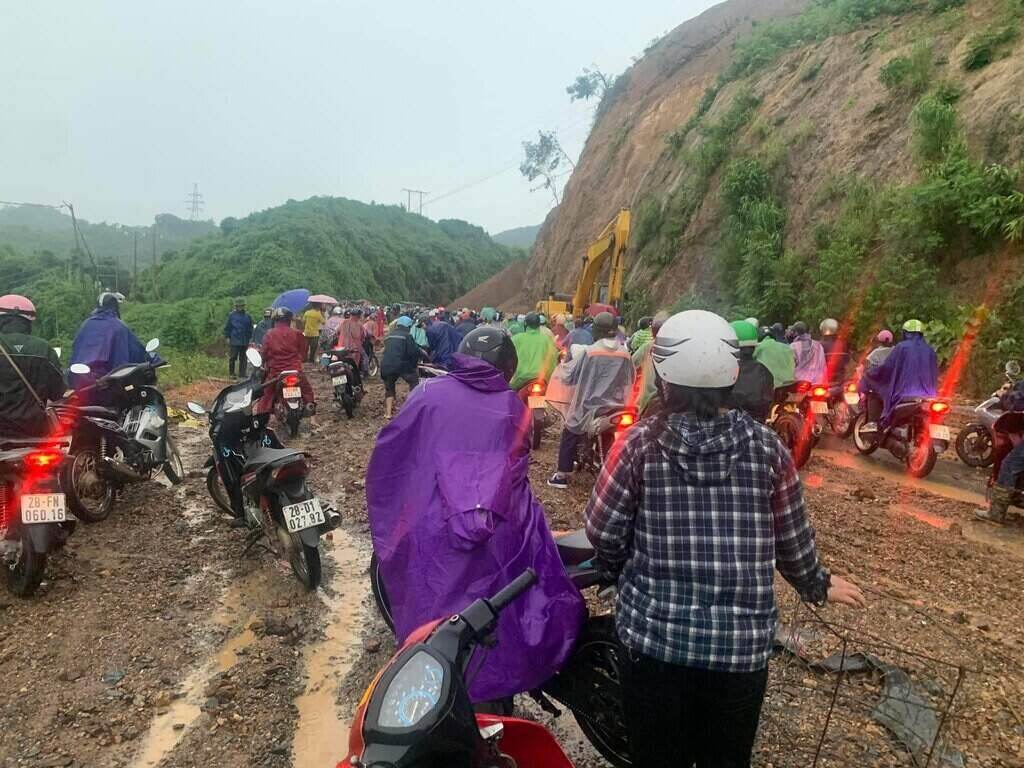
(777, 358)
(537, 355)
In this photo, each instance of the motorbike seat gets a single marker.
(264, 456)
(574, 548)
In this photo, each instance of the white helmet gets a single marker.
(754, 322)
(829, 327)
(337, 311)
(697, 349)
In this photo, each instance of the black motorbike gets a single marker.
(916, 433)
(121, 440)
(263, 485)
(345, 379)
(590, 682)
(34, 520)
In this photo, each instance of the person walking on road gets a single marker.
(312, 321)
(262, 327)
(695, 510)
(399, 360)
(238, 332)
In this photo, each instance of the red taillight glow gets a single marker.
(851, 387)
(625, 420)
(803, 386)
(537, 388)
(939, 407)
(820, 392)
(43, 459)
(291, 381)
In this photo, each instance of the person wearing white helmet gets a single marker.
(25, 358)
(837, 355)
(695, 510)
(103, 343)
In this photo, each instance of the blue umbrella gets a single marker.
(295, 300)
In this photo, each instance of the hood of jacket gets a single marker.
(705, 451)
(477, 373)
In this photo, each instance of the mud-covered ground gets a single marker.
(156, 641)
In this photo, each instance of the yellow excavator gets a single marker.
(608, 249)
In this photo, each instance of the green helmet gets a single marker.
(913, 326)
(746, 333)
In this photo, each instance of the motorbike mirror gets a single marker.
(254, 357)
(1013, 369)
(153, 345)
(80, 369)
(195, 408)
(57, 350)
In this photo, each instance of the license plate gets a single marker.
(339, 380)
(305, 514)
(537, 401)
(291, 393)
(939, 432)
(819, 406)
(43, 508)
(852, 398)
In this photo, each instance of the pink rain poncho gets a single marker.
(453, 519)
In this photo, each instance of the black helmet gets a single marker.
(493, 345)
(532, 320)
(604, 326)
(799, 328)
(282, 313)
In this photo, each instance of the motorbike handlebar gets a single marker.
(510, 592)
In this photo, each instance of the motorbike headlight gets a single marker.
(413, 693)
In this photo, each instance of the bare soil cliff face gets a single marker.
(821, 114)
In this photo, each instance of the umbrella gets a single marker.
(295, 300)
(322, 298)
(595, 309)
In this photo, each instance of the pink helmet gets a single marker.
(884, 337)
(13, 304)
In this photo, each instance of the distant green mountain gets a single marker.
(520, 237)
(337, 246)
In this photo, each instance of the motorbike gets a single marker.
(975, 441)
(254, 478)
(830, 408)
(345, 378)
(34, 519)
(532, 395)
(590, 683)
(915, 435)
(791, 421)
(123, 441)
(605, 429)
(288, 404)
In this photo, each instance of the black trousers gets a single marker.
(679, 716)
(567, 450)
(237, 353)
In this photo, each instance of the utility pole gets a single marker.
(156, 286)
(135, 261)
(409, 193)
(194, 202)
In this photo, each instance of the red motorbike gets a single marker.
(417, 710)
(533, 397)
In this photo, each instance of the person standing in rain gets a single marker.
(312, 321)
(238, 332)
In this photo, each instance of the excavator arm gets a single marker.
(610, 245)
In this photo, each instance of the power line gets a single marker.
(410, 193)
(194, 202)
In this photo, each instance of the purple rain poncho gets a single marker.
(810, 359)
(453, 519)
(912, 370)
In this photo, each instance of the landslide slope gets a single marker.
(788, 158)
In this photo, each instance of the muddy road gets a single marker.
(156, 642)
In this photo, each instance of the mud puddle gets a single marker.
(321, 734)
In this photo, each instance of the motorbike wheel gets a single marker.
(538, 429)
(348, 403)
(293, 422)
(974, 446)
(865, 444)
(842, 420)
(921, 459)
(305, 562)
(374, 367)
(25, 574)
(96, 505)
(595, 669)
(173, 467)
(790, 429)
(380, 595)
(217, 491)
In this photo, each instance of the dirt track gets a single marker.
(156, 642)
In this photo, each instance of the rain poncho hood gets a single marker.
(777, 358)
(810, 359)
(912, 370)
(705, 451)
(537, 355)
(453, 519)
(443, 341)
(104, 343)
(593, 384)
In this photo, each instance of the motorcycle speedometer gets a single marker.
(412, 693)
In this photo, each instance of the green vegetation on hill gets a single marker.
(520, 237)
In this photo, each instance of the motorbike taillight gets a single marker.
(820, 393)
(537, 388)
(938, 408)
(291, 381)
(294, 469)
(43, 460)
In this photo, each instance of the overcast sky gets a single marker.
(120, 105)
